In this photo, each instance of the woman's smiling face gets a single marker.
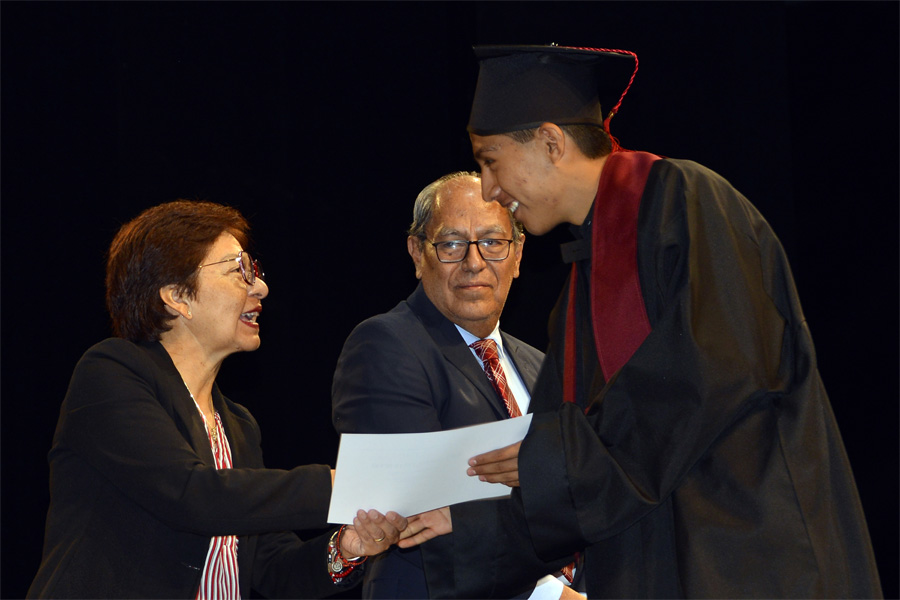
(225, 308)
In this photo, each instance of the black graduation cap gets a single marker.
(520, 87)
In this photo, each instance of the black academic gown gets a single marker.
(709, 464)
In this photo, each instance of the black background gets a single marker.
(322, 121)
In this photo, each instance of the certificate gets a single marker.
(410, 473)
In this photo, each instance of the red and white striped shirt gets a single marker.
(220, 572)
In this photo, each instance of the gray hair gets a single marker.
(423, 210)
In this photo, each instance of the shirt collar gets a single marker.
(494, 335)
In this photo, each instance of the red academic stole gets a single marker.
(617, 307)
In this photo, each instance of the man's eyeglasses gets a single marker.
(250, 268)
(454, 251)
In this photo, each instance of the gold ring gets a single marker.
(381, 539)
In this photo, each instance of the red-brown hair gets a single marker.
(164, 245)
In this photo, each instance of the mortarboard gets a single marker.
(520, 87)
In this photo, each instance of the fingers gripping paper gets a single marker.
(410, 473)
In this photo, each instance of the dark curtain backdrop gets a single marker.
(322, 121)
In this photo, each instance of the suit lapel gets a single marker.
(451, 344)
(182, 405)
(234, 430)
(461, 357)
(526, 367)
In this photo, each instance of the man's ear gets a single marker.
(517, 254)
(553, 140)
(175, 302)
(415, 247)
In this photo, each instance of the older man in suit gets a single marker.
(421, 366)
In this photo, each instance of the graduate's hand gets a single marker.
(426, 526)
(371, 533)
(497, 466)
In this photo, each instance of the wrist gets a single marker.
(339, 566)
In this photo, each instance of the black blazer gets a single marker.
(135, 496)
(409, 370)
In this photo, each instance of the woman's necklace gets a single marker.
(212, 432)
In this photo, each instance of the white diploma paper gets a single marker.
(410, 473)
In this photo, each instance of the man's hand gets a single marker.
(371, 533)
(497, 466)
(425, 526)
(570, 594)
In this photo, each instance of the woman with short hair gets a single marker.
(158, 488)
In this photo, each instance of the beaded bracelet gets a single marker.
(338, 566)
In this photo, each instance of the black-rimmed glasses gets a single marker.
(454, 251)
(250, 268)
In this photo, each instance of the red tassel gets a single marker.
(616, 147)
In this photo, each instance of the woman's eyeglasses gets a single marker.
(250, 268)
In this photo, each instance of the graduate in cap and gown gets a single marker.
(683, 443)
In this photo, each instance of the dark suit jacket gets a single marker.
(409, 370)
(135, 496)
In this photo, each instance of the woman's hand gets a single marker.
(497, 466)
(371, 533)
(425, 526)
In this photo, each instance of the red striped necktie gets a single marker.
(486, 350)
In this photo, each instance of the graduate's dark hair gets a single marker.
(164, 245)
(592, 140)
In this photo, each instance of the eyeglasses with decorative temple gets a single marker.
(454, 251)
(250, 269)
